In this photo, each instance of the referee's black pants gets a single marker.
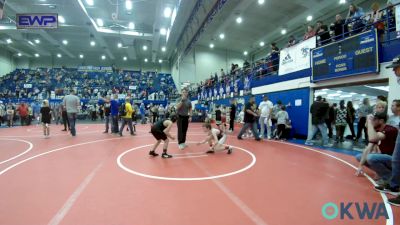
(183, 124)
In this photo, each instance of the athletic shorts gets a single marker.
(222, 140)
(158, 135)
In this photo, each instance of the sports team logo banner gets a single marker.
(297, 57)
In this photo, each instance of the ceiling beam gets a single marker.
(156, 35)
(17, 51)
(49, 38)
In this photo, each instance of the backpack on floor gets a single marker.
(122, 110)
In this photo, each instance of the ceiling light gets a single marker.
(245, 53)
(100, 22)
(353, 93)
(339, 91)
(125, 58)
(382, 88)
(145, 60)
(128, 4)
(81, 56)
(342, 2)
(37, 55)
(144, 47)
(59, 55)
(61, 19)
(103, 57)
(163, 31)
(309, 18)
(19, 54)
(37, 41)
(283, 31)
(65, 42)
(262, 44)
(211, 45)
(333, 95)
(321, 93)
(131, 26)
(346, 96)
(260, 2)
(167, 12)
(92, 43)
(163, 49)
(239, 20)
(9, 41)
(119, 45)
(90, 2)
(363, 95)
(31, 43)
(221, 36)
(160, 61)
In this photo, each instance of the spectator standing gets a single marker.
(292, 41)
(161, 112)
(45, 118)
(319, 110)
(331, 119)
(23, 113)
(309, 33)
(339, 28)
(394, 120)
(274, 56)
(126, 111)
(363, 111)
(65, 117)
(10, 115)
(375, 19)
(265, 107)
(350, 118)
(340, 121)
(184, 109)
(250, 116)
(282, 121)
(107, 113)
(114, 106)
(232, 115)
(354, 19)
(323, 33)
(142, 110)
(72, 103)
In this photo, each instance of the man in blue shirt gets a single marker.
(114, 114)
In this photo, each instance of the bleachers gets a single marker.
(46, 83)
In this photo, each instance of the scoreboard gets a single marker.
(357, 54)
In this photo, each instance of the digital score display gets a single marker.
(355, 55)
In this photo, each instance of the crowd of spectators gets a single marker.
(356, 21)
(42, 83)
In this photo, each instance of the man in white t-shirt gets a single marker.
(265, 108)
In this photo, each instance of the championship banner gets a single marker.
(95, 69)
(297, 57)
(355, 55)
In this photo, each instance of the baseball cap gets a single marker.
(380, 116)
(395, 62)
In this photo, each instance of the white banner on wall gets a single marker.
(297, 57)
(27, 85)
(397, 18)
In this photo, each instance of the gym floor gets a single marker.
(97, 178)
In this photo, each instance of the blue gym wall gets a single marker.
(298, 114)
